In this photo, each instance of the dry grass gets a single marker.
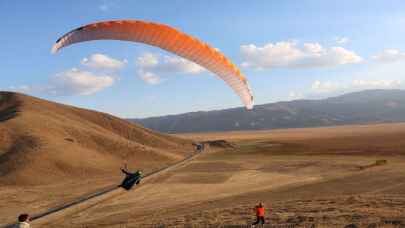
(45, 148)
(307, 177)
(44, 142)
(376, 163)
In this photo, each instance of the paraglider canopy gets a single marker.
(166, 38)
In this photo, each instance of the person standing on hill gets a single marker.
(259, 210)
(23, 220)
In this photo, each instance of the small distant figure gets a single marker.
(23, 220)
(130, 178)
(200, 147)
(259, 210)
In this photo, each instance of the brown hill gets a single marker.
(43, 142)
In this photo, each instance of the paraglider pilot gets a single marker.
(259, 210)
(130, 178)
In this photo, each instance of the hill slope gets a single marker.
(43, 142)
(371, 106)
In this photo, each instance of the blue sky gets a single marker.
(287, 50)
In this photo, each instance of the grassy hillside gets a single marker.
(44, 142)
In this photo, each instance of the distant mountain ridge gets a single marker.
(369, 106)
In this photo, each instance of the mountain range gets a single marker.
(364, 107)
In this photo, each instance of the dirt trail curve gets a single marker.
(95, 198)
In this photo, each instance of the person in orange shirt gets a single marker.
(259, 209)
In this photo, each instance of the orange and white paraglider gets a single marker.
(167, 38)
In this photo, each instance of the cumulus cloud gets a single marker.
(100, 61)
(290, 55)
(152, 66)
(325, 87)
(167, 64)
(342, 40)
(69, 83)
(21, 89)
(389, 56)
(149, 77)
(77, 82)
(377, 84)
(335, 87)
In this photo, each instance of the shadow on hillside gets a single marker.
(8, 106)
(8, 113)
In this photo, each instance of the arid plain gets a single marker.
(323, 177)
(327, 177)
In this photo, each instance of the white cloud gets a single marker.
(289, 55)
(22, 88)
(77, 82)
(149, 77)
(69, 83)
(335, 87)
(147, 60)
(100, 61)
(325, 87)
(151, 66)
(167, 64)
(377, 84)
(342, 40)
(295, 95)
(389, 56)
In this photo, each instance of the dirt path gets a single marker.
(304, 181)
(102, 195)
(208, 183)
